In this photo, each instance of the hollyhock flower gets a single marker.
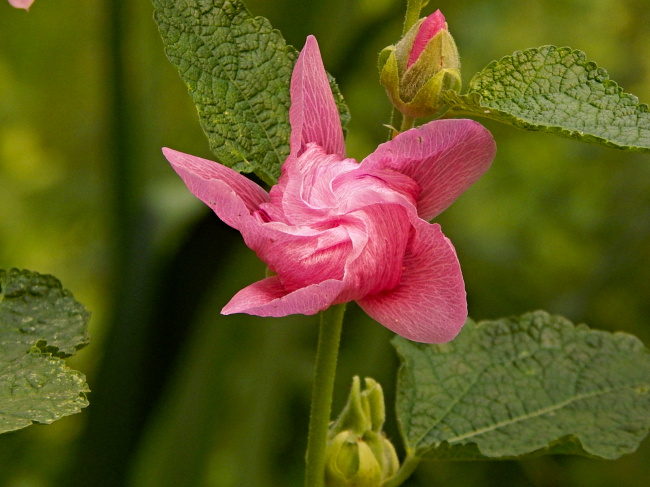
(333, 230)
(21, 3)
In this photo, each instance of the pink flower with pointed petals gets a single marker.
(21, 3)
(333, 230)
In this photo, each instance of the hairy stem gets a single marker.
(407, 467)
(413, 8)
(407, 123)
(331, 321)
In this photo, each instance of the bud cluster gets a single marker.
(358, 453)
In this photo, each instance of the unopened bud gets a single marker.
(351, 462)
(422, 65)
(358, 453)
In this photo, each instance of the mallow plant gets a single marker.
(333, 230)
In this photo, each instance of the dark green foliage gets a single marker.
(238, 70)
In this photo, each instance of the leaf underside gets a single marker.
(40, 324)
(557, 90)
(525, 385)
(238, 70)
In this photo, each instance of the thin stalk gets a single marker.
(392, 130)
(329, 337)
(407, 467)
(407, 123)
(413, 8)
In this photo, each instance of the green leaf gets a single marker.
(557, 90)
(238, 71)
(530, 384)
(40, 323)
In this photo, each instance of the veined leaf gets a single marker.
(530, 384)
(40, 323)
(557, 90)
(238, 71)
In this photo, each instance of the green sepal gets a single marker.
(364, 411)
(384, 55)
(440, 54)
(351, 462)
(428, 101)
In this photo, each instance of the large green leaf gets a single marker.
(557, 90)
(530, 384)
(40, 323)
(238, 71)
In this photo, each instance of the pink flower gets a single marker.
(333, 230)
(21, 3)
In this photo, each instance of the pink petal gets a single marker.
(270, 298)
(429, 305)
(304, 194)
(302, 256)
(21, 3)
(233, 197)
(433, 24)
(359, 188)
(379, 241)
(445, 157)
(299, 255)
(313, 113)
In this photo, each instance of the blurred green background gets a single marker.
(185, 397)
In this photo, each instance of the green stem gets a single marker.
(392, 131)
(407, 123)
(413, 8)
(407, 467)
(331, 321)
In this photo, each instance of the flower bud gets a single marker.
(358, 453)
(422, 65)
(351, 462)
(364, 411)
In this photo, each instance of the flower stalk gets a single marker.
(407, 467)
(413, 9)
(329, 337)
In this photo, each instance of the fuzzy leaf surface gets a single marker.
(557, 90)
(530, 384)
(40, 323)
(238, 70)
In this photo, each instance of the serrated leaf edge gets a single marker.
(472, 101)
(422, 452)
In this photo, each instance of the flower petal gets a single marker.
(433, 24)
(21, 3)
(313, 113)
(444, 157)
(269, 297)
(231, 195)
(300, 256)
(303, 195)
(429, 305)
(379, 239)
